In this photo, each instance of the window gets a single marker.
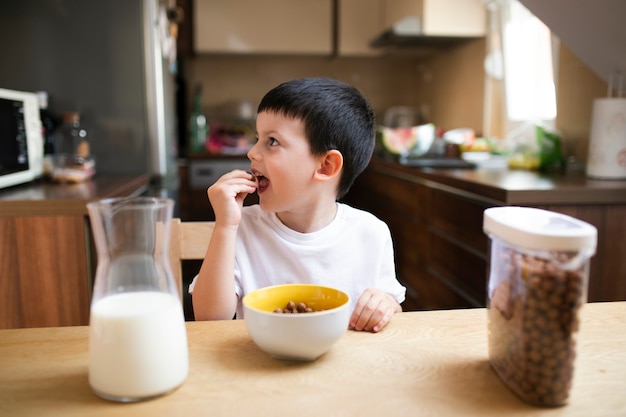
(521, 76)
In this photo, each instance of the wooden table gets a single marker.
(431, 363)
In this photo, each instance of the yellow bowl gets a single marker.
(303, 336)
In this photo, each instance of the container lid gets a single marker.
(539, 229)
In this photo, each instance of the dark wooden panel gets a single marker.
(461, 269)
(607, 270)
(10, 306)
(427, 292)
(53, 274)
(406, 196)
(614, 247)
(410, 237)
(447, 206)
(460, 219)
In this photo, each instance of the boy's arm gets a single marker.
(214, 295)
(376, 307)
(214, 291)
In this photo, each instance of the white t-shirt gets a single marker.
(352, 253)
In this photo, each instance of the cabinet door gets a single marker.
(454, 18)
(45, 273)
(263, 27)
(395, 10)
(439, 17)
(360, 21)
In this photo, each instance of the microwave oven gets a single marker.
(21, 141)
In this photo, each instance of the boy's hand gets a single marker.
(374, 309)
(227, 195)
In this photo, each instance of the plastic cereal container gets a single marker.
(538, 276)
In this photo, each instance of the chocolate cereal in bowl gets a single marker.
(296, 321)
(538, 273)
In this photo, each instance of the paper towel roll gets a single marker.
(607, 143)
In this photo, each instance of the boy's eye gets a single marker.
(272, 142)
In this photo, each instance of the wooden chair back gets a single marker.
(188, 241)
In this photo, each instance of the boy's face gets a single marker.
(283, 163)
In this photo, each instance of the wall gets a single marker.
(577, 87)
(88, 56)
(453, 86)
(593, 29)
(449, 86)
(384, 81)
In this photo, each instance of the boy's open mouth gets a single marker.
(262, 181)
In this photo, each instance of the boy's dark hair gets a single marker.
(335, 116)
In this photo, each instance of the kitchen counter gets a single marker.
(436, 216)
(48, 260)
(432, 363)
(502, 185)
(46, 198)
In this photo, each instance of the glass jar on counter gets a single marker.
(71, 137)
(72, 161)
(538, 277)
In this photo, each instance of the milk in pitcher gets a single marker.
(137, 345)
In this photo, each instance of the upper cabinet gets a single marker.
(316, 27)
(428, 26)
(372, 27)
(438, 17)
(359, 21)
(263, 27)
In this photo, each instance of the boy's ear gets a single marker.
(330, 165)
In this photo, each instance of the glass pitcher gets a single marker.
(137, 340)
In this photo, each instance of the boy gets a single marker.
(314, 136)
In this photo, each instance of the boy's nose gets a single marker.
(252, 154)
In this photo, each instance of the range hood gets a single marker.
(407, 35)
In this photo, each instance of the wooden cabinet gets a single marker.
(440, 257)
(435, 24)
(44, 270)
(263, 27)
(359, 22)
(46, 250)
(436, 219)
(309, 26)
(439, 17)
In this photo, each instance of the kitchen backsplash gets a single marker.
(448, 87)
(385, 81)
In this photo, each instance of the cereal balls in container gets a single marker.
(537, 284)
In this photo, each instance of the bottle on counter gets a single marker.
(71, 137)
(198, 126)
(72, 161)
(49, 124)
